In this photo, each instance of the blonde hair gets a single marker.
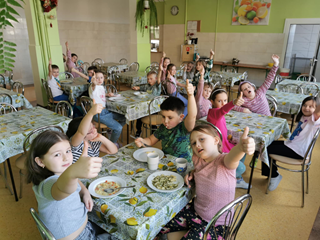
(209, 130)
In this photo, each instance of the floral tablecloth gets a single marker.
(133, 107)
(105, 66)
(307, 87)
(133, 78)
(18, 100)
(229, 78)
(14, 127)
(75, 89)
(287, 102)
(179, 72)
(138, 213)
(263, 129)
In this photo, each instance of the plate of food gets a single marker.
(117, 98)
(165, 181)
(141, 154)
(66, 81)
(96, 188)
(140, 94)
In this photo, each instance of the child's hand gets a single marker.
(275, 59)
(87, 200)
(239, 101)
(97, 138)
(246, 110)
(211, 53)
(189, 88)
(188, 178)
(135, 88)
(164, 55)
(50, 61)
(139, 142)
(197, 57)
(202, 71)
(161, 67)
(67, 44)
(110, 94)
(247, 143)
(96, 108)
(93, 79)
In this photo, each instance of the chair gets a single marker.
(2, 78)
(235, 212)
(85, 67)
(134, 67)
(64, 108)
(148, 69)
(20, 162)
(65, 75)
(4, 107)
(111, 89)
(154, 64)
(305, 164)
(4, 96)
(152, 120)
(292, 88)
(97, 62)
(311, 89)
(229, 69)
(306, 78)
(278, 79)
(18, 87)
(216, 79)
(123, 61)
(50, 100)
(113, 76)
(44, 231)
(273, 104)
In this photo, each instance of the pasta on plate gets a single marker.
(165, 182)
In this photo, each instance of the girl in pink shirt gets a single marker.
(202, 96)
(164, 62)
(255, 100)
(214, 175)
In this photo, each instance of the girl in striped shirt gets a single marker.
(255, 100)
(81, 129)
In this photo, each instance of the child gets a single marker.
(153, 87)
(188, 72)
(214, 175)
(202, 97)
(255, 100)
(57, 186)
(82, 130)
(172, 86)
(202, 65)
(71, 61)
(54, 83)
(164, 62)
(91, 70)
(174, 132)
(97, 92)
(219, 99)
(297, 146)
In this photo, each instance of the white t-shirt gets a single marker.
(55, 87)
(99, 94)
(302, 140)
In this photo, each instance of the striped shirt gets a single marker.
(93, 151)
(259, 103)
(203, 105)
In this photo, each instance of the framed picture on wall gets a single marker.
(249, 12)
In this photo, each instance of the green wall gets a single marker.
(206, 11)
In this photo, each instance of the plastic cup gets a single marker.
(153, 161)
(181, 165)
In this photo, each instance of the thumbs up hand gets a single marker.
(96, 108)
(189, 88)
(239, 101)
(247, 143)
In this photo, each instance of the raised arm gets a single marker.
(190, 119)
(161, 60)
(107, 146)
(246, 145)
(200, 87)
(80, 73)
(271, 75)
(50, 69)
(159, 75)
(317, 111)
(210, 63)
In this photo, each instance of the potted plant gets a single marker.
(190, 35)
(146, 15)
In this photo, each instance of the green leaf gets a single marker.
(1, 57)
(9, 49)
(147, 226)
(150, 199)
(9, 54)
(2, 4)
(1, 34)
(14, 3)
(146, 211)
(8, 69)
(8, 64)
(165, 167)
(124, 199)
(134, 180)
(10, 44)
(9, 16)
(2, 13)
(141, 203)
(7, 23)
(10, 9)
(138, 177)
(128, 204)
(122, 195)
(150, 193)
(113, 230)
(134, 191)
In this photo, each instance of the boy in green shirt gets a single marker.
(174, 132)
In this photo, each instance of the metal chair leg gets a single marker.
(4, 176)
(255, 156)
(12, 181)
(307, 173)
(302, 189)
(270, 173)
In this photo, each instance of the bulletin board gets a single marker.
(194, 26)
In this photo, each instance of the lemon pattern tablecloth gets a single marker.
(133, 78)
(229, 78)
(263, 129)
(133, 107)
(18, 100)
(287, 102)
(15, 126)
(105, 66)
(137, 213)
(75, 89)
(307, 87)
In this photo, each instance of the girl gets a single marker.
(255, 100)
(200, 65)
(172, 86)
(297, 145)
(220, 106)
(82, 130)
(57, 186)
(188, 72)
(202, 97)
(214, 175)
(164, 62)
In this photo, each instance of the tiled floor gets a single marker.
(277, 215)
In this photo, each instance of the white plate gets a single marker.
(179, 181)
(118, 98)
(66, 81)
(118, 180)
(141, 154)
(140, 94)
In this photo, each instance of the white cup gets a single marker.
(153, 161)
(181, 165)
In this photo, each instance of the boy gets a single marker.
(153, 87)
(97, 92)
(188, 72)
(174, 132)
(71, 61)
(54, 83)
(91, 70)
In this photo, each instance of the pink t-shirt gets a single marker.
(215, 187)
(203, 104)
(216, 117)
(71, 65)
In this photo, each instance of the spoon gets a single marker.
(111, 190)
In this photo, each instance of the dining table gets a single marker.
(308, 88)
(133, 78)
(15, 126)
(18, 99)
(106, 66)
(139, 212)
(74, 87)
